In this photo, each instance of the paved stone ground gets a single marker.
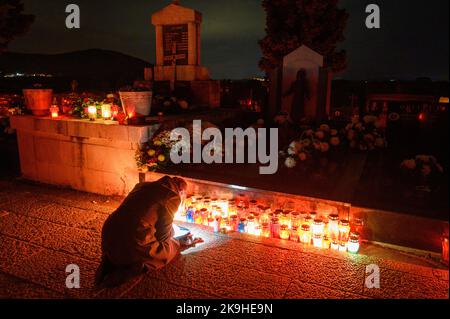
(43, 229)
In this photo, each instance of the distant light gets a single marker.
(422, 117)
(443, 100)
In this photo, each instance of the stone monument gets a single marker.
(178, 49)
(301, 86)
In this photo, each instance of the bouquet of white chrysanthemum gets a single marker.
(312, 143)
(422, 169)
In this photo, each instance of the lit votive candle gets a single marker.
(295, 219)
(445, 249)
(305, 234)
(333, 226)
(344, 230)
(106, 111)
(251, 225)
(54, 110)
(242, 227)
(294, 234)
(317, 240)
(342, 246)
(275, 228)
(326, 243)
(284, 232)
(92, 112)
(318, 227)
(334, 245)
(353, 243)
(265, 230)
(234, 222)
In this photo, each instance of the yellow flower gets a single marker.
(144, 169)
(334, 132)
(161, 158)
(151, 152)
(157, 143)
(324, 127)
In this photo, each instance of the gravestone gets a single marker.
(301, 86)
(178, 51)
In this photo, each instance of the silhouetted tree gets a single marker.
(318, 24)
(13, 22)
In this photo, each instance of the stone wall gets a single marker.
(97, 157)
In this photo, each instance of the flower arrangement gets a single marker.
(367, 135)
(80, 107)
(311, 144)
(422, 168)
(155, 154)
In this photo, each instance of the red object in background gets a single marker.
(445, 249)
(422, 117)
(121, 118)
(114, 111)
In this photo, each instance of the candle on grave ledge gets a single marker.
(357, 226)
(295, 219)
(216, 225)
(253, 205)
(326, 243)
(223, 204)
(305, 234)
(317, 240)
(313, 215)
(190, 214)
(54, 111)
(294, 234)
(114, 111)
(258, 230)
(318, 227)
(242, 227)
(344, 230)
(275, 227)
(286, 218)
(333, 226)
(308, 221)
(353, 243)
(92, 112)
(343, 246)
(284, 232)
(205, 215)
(106, 111)
(198, 218)
(265, 230)
(251, 225)
(234, 222)
(334, 245)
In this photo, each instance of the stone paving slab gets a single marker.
(15, 288)
(303, 290)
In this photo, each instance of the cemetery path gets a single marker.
(44, 229)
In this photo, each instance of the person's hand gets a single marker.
(189, 242)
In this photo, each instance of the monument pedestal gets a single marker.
(183, 73)
(206, 93)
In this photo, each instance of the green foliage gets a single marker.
(318, 24)
(13, 22)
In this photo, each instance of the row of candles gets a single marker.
(237, 215)
(107, 112)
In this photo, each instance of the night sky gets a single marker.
(412, 41)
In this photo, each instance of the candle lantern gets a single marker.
(223, 203)
(313, 215)
(265, 230)
(343, 246)
(92, 112)
(198, 217)
(253, 205)
(357, 226)
(284, 232)
(234, 222)
(106, 111)
(318, 227)
(326, 243)
(334, 245)
(114, 111)
(295, 219)
(317, 240)
(305, 234)
(242, 227)
(294, 234)
(210, 222)
(258, 230)
(216, 225)
(54, 111)
(190, 214)
(275, 227)
(257, 217)
(205, 215)
(333, 226)
(285, 218)
(353, 243)
(344, 230)
(232, 208)
(207, 204)
(251, 225)
(445, 249)
(308, 220)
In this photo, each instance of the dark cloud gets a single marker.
(412, 42)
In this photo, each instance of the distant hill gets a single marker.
(88, 66)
